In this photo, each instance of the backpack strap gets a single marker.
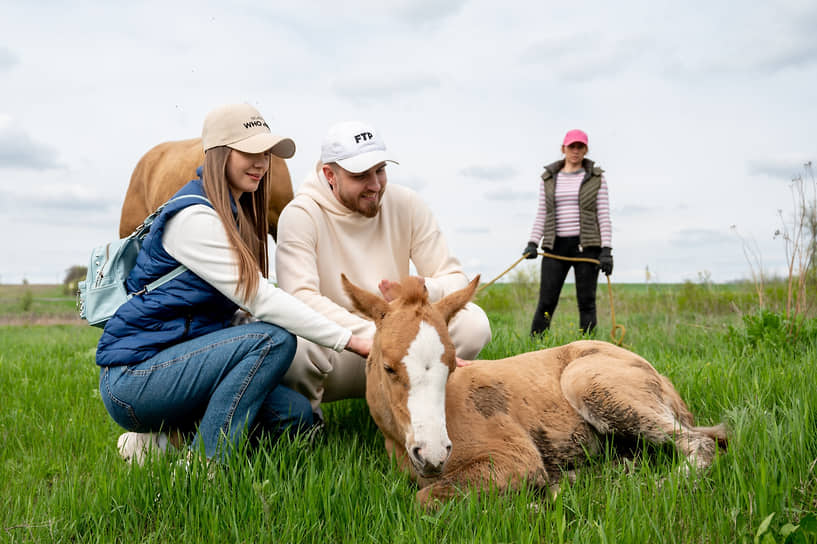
(181, 269)
(203, 199)
(142, 231)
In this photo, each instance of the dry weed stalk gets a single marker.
(751, 251)
(799, 239)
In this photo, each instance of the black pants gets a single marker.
(554, 272)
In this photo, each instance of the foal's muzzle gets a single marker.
(429, 461)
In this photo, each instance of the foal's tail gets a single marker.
(718, 433)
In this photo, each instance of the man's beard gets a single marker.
(366, 209)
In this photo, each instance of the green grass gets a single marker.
(37, 303)
(62, 479)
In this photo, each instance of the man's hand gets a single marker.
(361, 346)
(389, 289)
(531, 251)
(463, 362)
(606, 260)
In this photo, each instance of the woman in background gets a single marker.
(573, 220)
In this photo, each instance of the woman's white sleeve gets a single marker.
(196, 238)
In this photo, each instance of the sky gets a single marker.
(700, 113)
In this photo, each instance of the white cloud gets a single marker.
(424, 12)
(585, 56)
(512, 194)
(7, 59)
(700, 238)
(784, 167)
(19, 150)
(56, 198)
(631, 210)
(377, 87)
(489, 173)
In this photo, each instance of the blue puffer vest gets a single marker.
(183, 308)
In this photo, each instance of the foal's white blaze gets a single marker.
(426, 398)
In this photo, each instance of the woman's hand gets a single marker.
(361, 346)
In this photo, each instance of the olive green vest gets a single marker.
(589, 234)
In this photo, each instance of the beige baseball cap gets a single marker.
(241, 127)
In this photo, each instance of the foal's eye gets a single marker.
(389, 370)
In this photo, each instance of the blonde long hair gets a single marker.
(249, 238)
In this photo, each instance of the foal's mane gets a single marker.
(413, 291)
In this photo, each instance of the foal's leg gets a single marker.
(500, 471)
(629, 397)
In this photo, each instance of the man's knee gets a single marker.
(307, 374)
(347, 379)
(470, 331)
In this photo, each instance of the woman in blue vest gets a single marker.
(170, 358)
(573, 221)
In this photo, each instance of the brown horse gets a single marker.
(524, 418)
(168, 166)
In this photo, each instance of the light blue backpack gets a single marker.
(103, 290)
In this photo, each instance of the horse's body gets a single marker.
(527, 417)
(165, 168)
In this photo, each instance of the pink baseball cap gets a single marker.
(574, 136)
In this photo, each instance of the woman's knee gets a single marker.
(288, 344)
(120, 411)
(279, 339)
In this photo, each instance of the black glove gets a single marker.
(531, 252)
(606, 260)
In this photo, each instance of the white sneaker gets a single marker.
(134, 447)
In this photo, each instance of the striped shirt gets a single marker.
(567, 209)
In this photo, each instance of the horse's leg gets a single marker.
(441, 490)
(629, 397)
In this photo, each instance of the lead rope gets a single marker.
(618, 338)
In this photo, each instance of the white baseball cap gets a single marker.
(241, 127)
(355, 146)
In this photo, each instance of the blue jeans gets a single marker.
(218, 383)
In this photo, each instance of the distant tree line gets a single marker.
(73, 276)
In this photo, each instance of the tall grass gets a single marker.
(62, 479)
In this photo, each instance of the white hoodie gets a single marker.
(319, 238)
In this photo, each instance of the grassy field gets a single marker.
(37, 304)
(62, 479)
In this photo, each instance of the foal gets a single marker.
(526, 417)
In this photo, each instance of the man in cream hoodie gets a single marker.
(345, 219)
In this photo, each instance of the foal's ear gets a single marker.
(449, 305)
(369, 304)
